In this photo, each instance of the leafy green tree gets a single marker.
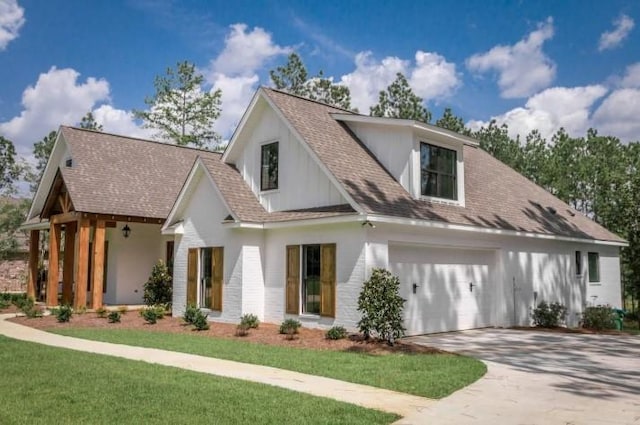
(12, 214)
(88, 122)
(294, 78)
(9, 168)
(381, 307)
(181, 111)
(158, 289)
(399, 101)
(535, 159)
(495, 140)
(41, 152)
(452, 122)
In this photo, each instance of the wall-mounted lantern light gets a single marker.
(126, 231)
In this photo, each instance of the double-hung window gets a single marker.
(594, 267)
(438, 172)
(269, 167)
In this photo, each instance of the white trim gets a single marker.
(295, 223)
(175, 229)
(245, 117)
(415, 125)
(463, 227)
(46, 179)
(197, 166)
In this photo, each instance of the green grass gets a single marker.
(427, 375)
(631, 327)
(47, 385)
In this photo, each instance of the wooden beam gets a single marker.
(68, 262)
(54, 254)
(125, 218)
(64, 218)
(82, 270)
(98, 265)
(34, 245)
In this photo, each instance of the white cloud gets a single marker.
(235, 71)
(611, 39)
(618, 115)
(431, 77)
(56, 98)
(523, 68)
(632, 76)
(11, 20)
(551, 109)
(119, 121)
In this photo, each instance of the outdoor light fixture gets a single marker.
(126, 231)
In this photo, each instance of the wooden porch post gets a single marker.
(98, 265)
(54, 253)
(34, 244)
(68, 263)
(82, 271)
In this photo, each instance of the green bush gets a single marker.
(4, 304)
(150, 315)
(242, 329)
(599, 318)
(81, 310)
(549, 315)
(158, 289)
(63, 313)
(290, 328)
(190, 314)
(114, 317)
(28, 307)
(101, 312)
(200, 321)
(381, 307)
(160, 310)
(336, 332)
(123, 309)
(250, 320)
(19, 300)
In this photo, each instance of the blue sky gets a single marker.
(531, 64)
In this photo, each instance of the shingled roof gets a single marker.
(496, 196)
(120, 175)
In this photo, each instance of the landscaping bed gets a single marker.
(266, 333)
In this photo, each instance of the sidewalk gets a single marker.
(402, 404)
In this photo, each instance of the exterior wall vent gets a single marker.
(68, 163)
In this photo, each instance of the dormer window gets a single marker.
(269, 167)
(438, 172)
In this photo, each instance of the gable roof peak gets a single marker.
(265, 88)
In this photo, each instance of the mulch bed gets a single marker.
(267, 333)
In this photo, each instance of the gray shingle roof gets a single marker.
(497, 197)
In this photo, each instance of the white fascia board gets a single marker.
(47, 176)
(245, 117)
(414, 125)
(313, 155)
(176, 229)
(197, 167)
(462, 227)
(297, 223)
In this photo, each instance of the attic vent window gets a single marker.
(68, 163)
(228, 218)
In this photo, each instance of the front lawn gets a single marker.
(427, 375)
(42, 384)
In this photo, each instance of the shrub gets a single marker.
(381, 307)
(160, 310)
(114, 317)
(150, 315)
(190, 314)
(101, 312)
(549, 315)
(4, 304)
(158, 289)
(336, 332)
(599, 318)
(250, 320)
(200, 321)
(63, 313)
(242, 329)
(19, 300)
(290, 328)
(28, 307)
(81, 310)
(123, 309)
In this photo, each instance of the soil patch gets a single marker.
(267, 333)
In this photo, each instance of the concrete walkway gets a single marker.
(402, 404)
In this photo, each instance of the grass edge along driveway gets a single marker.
(42, 384)
(426, 375)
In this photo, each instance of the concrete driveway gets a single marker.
(541, 378)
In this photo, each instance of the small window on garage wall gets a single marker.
(594, 267)
(578, 263)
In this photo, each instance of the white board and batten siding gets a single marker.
(301, 182)
(243, 287)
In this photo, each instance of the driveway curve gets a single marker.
(541, 378)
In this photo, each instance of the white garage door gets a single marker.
(454, 287)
